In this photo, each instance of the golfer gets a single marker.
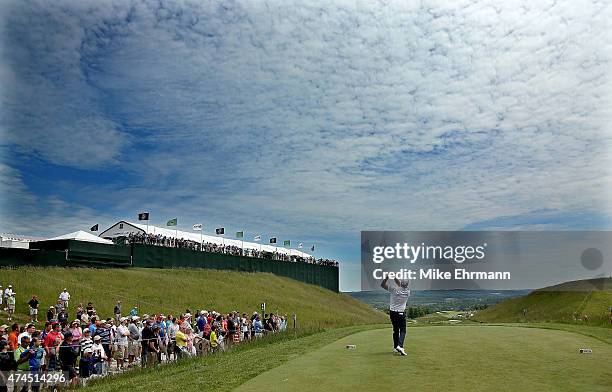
(397, 307)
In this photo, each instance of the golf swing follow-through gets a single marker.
(397, 310)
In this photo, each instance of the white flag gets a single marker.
(300, 245)
(257, 238)
(197, 227)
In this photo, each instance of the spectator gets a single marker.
(257, 327)
(214, 342)
(181, 343)
(22, 357)
(36, 360)
(104, 332)
(64, 297)
(7, 363)
(99, 356)
(90, 309)
(10, 306)
(80, 311)
(51, 315)
(122, 336)
(77, 333)
(67, 356)
(117, 311)
(133, 340)
(23, 353)
(8, 292)
(12, 338)
(58, 345)
(29, 329)
(58, 306)
(4, 332)
(51, 345)
(62, 316)
(87, 364)
(86, 341)
(33, 307)
(147, 336)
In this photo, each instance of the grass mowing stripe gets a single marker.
(603, 334)
(228, 370)
(448, 358)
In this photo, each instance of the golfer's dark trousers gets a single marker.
(398, 319)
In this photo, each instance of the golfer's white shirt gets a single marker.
(398, 298)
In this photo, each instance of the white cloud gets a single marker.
(318, 117)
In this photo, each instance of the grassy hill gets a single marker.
(567, 303)
(175, 290)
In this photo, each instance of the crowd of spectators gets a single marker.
(90, 345)
(161, 240)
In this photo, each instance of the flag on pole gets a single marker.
(220, 230)
(312, 248)
(197, 227)
(94, 227)
(273, 240)
(257, 238)
(143, 216)
(240, 234)
(287, 243)
(300, 245)
(172, 222)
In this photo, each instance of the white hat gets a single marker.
(88, 351)
(97, 337)
(122, 319)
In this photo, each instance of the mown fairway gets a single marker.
(471, 358)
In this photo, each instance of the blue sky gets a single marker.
(308, 120)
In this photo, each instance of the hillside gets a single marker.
(567, 303)
(175, 290)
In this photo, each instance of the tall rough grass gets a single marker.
(172, 291)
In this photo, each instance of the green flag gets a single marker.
(287, 243)
(239, 234)
(171, 222)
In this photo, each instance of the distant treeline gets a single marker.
(418, 311)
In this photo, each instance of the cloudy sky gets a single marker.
(308, 120)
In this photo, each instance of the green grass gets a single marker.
(449, 358)
(175, 290)
(600, 333)
(224, 371)
(446, 317)
(565, 303)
